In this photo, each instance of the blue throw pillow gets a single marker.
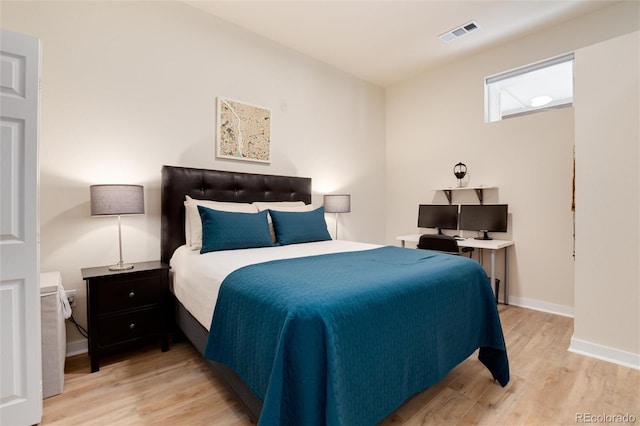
(299, 227)
(230, 230)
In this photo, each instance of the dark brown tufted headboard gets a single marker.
(218, 185)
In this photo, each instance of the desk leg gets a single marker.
(506, 275)
(493, 270)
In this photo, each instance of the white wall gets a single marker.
(607, 105)
(436, 120)
(130, 86)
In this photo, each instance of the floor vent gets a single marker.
(460, 31)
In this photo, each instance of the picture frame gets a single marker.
(243, 131)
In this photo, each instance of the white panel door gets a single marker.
(20, 354)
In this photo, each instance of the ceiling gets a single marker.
(385, 42)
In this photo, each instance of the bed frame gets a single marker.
(218, 185)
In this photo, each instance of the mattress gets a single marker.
(197, 277)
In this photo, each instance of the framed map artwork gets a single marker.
(244, 131)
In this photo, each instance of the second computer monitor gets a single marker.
(484, 218)
(439, 216)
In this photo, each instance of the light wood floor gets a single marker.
(548, 386)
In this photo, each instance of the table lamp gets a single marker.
(337, 203)
(117, 200)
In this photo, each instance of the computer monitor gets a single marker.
(439, 216)
(484, 218)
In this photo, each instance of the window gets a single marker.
(541, 86)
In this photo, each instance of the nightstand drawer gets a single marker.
(120, 295)
(129, 326)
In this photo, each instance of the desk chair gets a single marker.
(448, 244)
(443, 243)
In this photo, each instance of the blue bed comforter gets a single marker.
(345, 338)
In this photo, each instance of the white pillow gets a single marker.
(278, 205)
(281, 206)
(187, 225)
(192, 216)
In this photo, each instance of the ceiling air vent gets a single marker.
(460, 31)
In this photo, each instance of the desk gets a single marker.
(493, 245)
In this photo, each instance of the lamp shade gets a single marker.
(337, 203)
(116, 199)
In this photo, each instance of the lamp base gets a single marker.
(121, 267)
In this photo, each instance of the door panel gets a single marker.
(11, 165)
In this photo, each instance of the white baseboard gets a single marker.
(605, 353)
(537, 305)
(77, 347)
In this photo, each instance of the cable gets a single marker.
(83, 331)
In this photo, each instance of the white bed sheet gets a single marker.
(197, 277)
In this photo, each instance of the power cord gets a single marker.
(83, 331)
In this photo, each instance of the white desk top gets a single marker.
(466, 242)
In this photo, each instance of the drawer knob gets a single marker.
(132, 326)
(132, 294)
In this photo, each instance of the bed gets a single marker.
(323, 332)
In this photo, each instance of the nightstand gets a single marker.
(126, 307)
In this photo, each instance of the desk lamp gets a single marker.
(337, 203)
(117, 200)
